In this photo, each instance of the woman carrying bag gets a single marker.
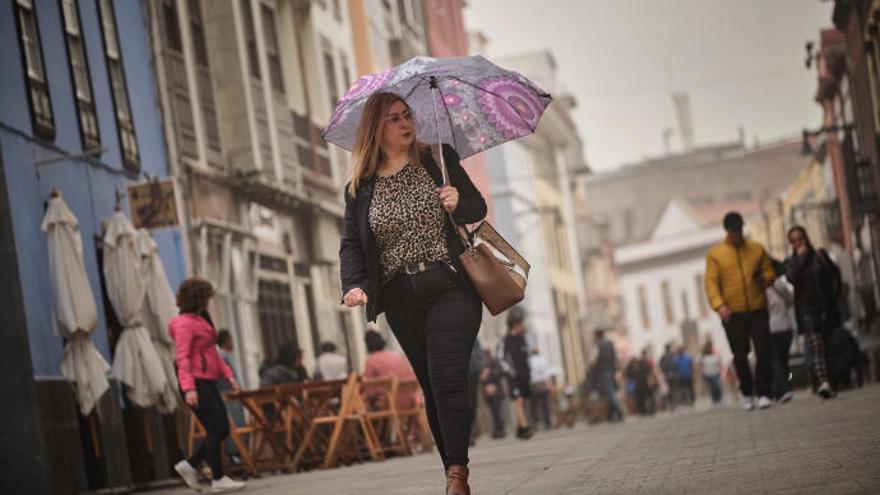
(400, 255)
(817, 286)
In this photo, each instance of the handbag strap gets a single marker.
(461, 230)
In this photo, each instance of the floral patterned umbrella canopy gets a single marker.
(480, 104)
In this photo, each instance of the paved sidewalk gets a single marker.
(806, 446)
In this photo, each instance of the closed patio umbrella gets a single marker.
(76, 315)
(136, 362)
(159, 308)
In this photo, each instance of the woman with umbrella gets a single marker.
(400, 246)
(399, 254)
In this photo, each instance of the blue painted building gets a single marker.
(76, 77)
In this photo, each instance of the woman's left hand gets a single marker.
(448, 198)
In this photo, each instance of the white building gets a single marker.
(534, 208)
(662, 280)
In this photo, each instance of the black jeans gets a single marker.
(212, 414)
(539, 405)
(781, 343)
(435, 317)
(495, 402)
(743, 330)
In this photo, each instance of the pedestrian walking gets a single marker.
(640, 373)
(513, 354)
(330, 365)
(737, 273)
(493, 393)
(780, 299)
(199, 368)
(606, 370)
(667, 369)
(539, 404)
(710, 368)
(399, 255)
(684, 377)
(817, 287)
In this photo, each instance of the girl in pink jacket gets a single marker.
(199, 366)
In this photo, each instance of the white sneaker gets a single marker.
(825, 390)
(786, 397)
(764, 402)
(189, 474)
(226, 484)
(746, 402)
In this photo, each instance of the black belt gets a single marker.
(421, 267)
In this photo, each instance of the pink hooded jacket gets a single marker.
(197, 356)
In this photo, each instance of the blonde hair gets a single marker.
(367, 151)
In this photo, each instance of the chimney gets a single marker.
(682, 103)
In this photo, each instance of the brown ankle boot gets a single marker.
(457, 480)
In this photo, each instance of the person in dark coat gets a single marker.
(288, 367)
(817, 287)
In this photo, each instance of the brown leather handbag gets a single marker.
(496, 270)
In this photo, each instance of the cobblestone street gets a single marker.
(806, 446)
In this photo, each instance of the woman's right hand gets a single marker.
(192, 398)
(355, 297)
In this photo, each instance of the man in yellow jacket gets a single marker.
(737, 273)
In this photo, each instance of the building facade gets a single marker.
(531, 188)
(246, 88)
(625, 205)
(848, 81)
(79, 113)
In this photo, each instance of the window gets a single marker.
(685, 305)
(643, 307)
(197, 29)
(330, 75)
(32, 52)
(701, 296)
(124, 122)
(337, 10)
(667, 302)
(346, 72)
(275, 309)
(79, 74)
(170, 19)
(272, 52)
(251, 36)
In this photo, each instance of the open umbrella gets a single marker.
(467, 102)
(76, 315)
(159, 308)
(136, 362)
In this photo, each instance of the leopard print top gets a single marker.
(407, 220)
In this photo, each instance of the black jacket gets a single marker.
(358, 255)
(817, 289)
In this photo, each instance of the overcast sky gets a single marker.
(741, 61)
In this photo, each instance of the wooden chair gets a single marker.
(380, 400)
(273, 412)
(414, 420)
(336, 422)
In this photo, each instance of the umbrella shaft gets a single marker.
(434, 91)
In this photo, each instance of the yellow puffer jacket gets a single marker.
(730, 276)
